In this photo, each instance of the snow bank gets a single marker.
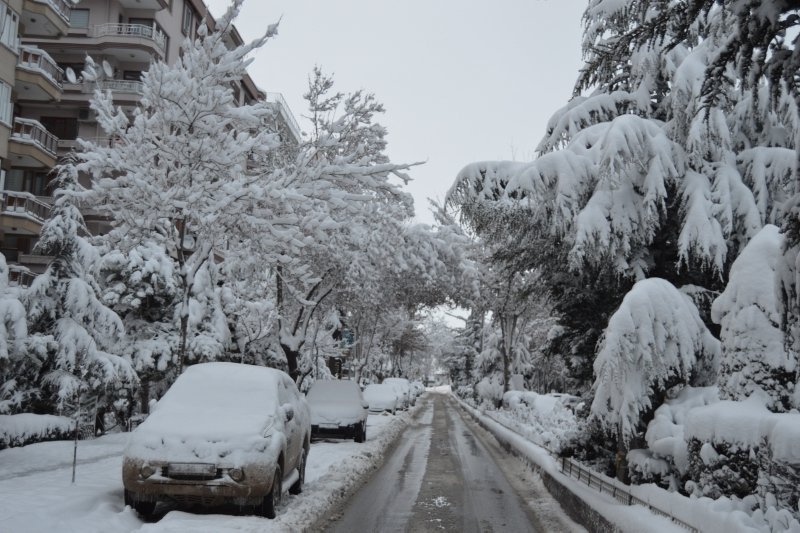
(27, 428)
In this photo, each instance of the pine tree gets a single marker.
(71, 332)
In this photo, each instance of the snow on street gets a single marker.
(36, 493)
(446, 476)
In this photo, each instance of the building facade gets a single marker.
(44, 105)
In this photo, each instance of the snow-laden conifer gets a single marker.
(753, 354)
(653, 342)
(13, 333)
(72, 334)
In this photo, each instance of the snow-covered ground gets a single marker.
(37, 495)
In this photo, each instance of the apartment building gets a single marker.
(44, 108)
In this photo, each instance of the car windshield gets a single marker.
(333, 392)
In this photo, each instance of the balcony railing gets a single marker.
(130, 30)
(62, 7)
(25, 204)
(124, 86)
(73, 144)
(286, 113)
(31, 131)
(37, 59)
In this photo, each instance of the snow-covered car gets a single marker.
(223, 433)
(381, 398)
(418, 388)
(337, 409)
(404, 388)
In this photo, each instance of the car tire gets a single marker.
(272, 500)
(297, 488)
(144, 508)
(360, 434)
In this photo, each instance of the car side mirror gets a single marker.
(288, 412)
(365, 404)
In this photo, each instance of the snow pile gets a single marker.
(542, 418)
(27, 428)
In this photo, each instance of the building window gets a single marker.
(188, 19)
(79, 18)
(6, 109)
(8, 26)
(132, 75)
(65, 128)
(36, 183)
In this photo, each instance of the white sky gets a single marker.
(461, 80)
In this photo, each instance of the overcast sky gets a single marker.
(461, 80)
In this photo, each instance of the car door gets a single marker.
(292, 427)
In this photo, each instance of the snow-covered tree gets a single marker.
(753, 354)
(13, 333)
(142, 287)
(653, 342)
(71, 332)
(180, 161)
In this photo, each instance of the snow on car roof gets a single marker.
(217, 399)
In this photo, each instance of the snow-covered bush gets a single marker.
(27, 428)
(545, 419)
(741, 448)
(665, 461)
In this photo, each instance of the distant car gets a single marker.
(404, 387)
(337, 409)
(418, 388)
(381, 398)
(223, 433)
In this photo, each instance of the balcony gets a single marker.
(122, 90)
(23, 213)
(20, 276)
(31, 145)
(286, 115)
(46, 18)
(70, 145)
(126, 40)
(38, 77)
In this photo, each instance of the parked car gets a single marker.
(337, 409)
(381, 398)
(223, 433)
(404, 387)
(418, 388)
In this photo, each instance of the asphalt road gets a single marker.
(448, 474)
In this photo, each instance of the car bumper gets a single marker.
(348, 431)
(207, 492)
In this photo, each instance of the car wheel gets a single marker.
(144, 508)
(272, 500)
(360, 433)
(297, 488)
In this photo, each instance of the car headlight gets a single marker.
(236, 474)
(146, 471)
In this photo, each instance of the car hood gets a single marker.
(234, 441)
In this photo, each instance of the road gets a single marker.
(447, 474)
